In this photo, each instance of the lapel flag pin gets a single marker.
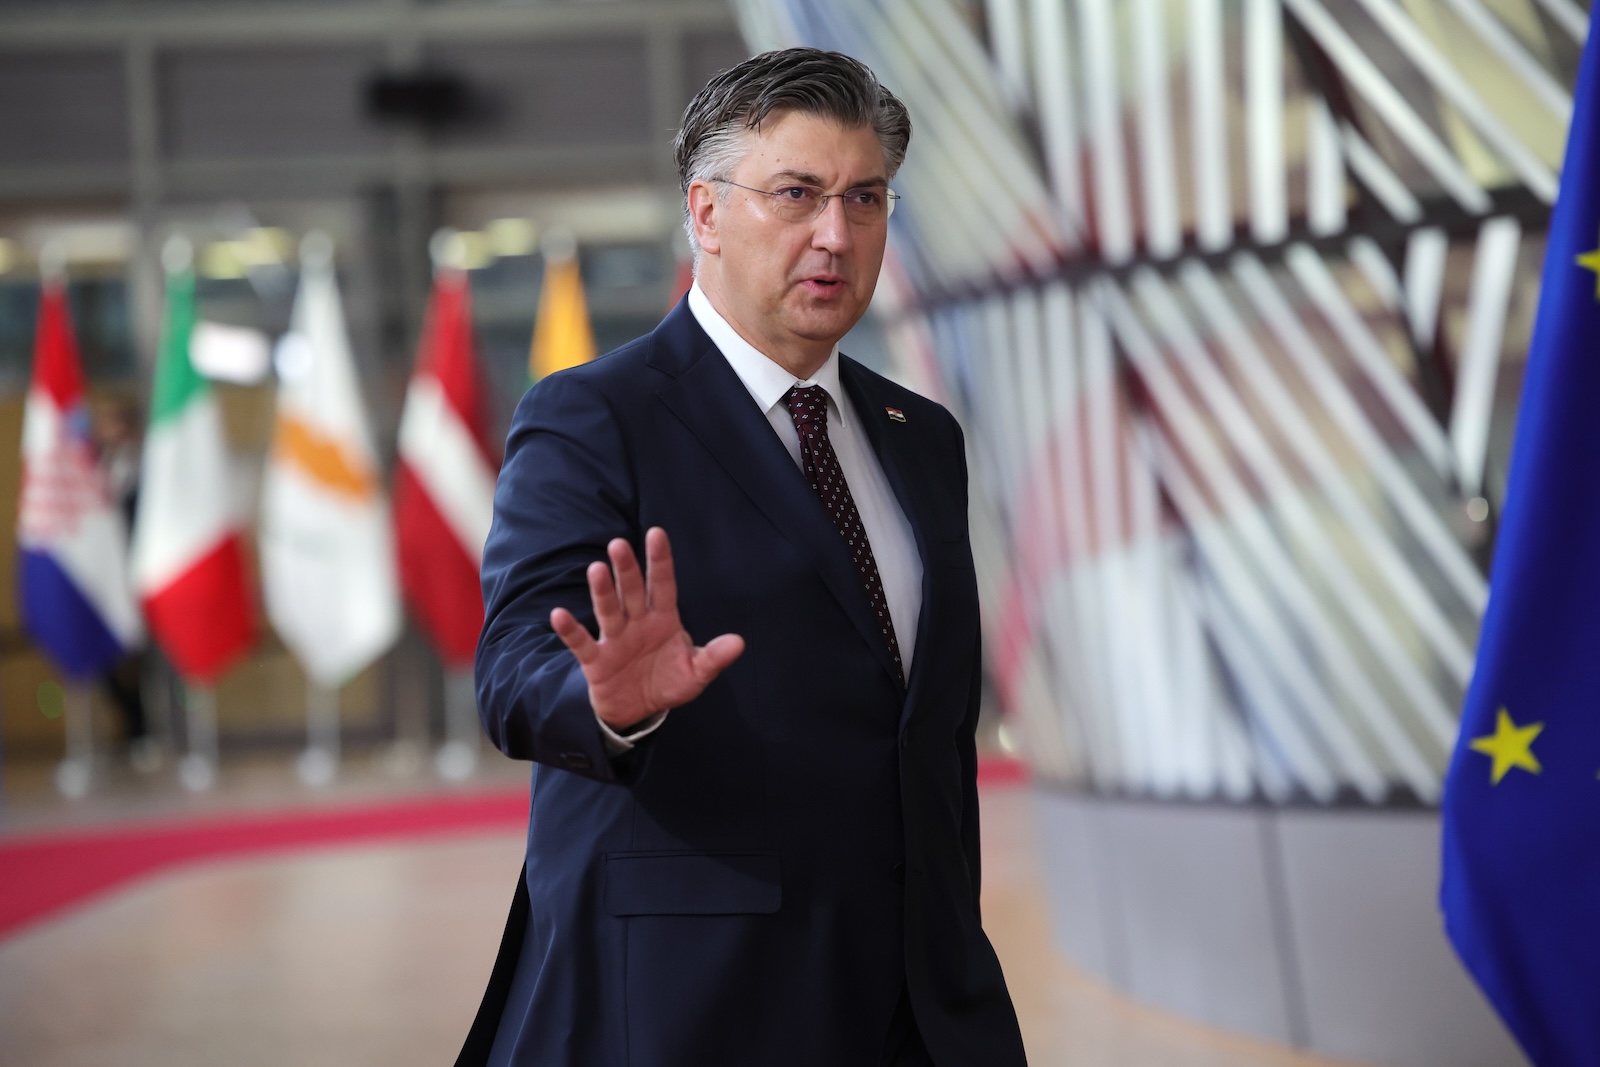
(896, 414)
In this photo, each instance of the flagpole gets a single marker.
(458, 756)
(319, 763)
(75, 773)
(198, 768)
(454, 761)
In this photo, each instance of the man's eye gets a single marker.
(797, 193)
(865, 197)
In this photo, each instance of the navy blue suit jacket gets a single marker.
(758, 880)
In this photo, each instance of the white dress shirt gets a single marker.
(894, 546)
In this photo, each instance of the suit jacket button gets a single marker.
(898, 872)
(576, 760)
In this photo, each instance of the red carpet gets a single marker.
(43, 875)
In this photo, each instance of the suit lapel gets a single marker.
(896, 447)
(708, 397)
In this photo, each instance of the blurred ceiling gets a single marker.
(162, 102)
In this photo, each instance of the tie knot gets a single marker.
(808, 405)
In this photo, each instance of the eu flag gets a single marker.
(1521, 888)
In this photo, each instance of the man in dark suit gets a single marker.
(764, 849)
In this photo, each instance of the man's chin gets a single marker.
(827, 323)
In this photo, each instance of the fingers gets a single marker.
(716, 656)
(630, 580)
(574, 636)
(660, 577)
(608, 610)
(621, 591)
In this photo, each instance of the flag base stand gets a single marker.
(197, 770)
(74, 775)
(318, 765)
(196, 773)
(73, 778)
(457, 758)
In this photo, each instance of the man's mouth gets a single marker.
(824, 282)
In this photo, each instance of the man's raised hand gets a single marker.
(644, 661)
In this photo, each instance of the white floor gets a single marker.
(376, 955)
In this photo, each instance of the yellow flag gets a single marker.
(562, 337)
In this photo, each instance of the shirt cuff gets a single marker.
(616, 744)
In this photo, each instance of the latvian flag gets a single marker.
(76, 599)
(444, 481)
(188, 556)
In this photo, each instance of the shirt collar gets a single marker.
(766, 379)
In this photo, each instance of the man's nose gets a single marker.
(830, 230)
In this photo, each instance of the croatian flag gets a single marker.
(76, 598)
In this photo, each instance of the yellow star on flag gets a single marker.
(1591, 261)
(1509, 746)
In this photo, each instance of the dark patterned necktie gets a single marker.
(809, 409)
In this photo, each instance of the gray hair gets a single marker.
(718, 121)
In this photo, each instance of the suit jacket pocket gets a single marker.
(693, 883)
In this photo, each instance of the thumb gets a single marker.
(716, 656)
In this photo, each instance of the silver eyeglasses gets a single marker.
(802, 203)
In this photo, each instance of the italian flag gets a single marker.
(444, 479)
(188, 556)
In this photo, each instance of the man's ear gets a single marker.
(702, 201)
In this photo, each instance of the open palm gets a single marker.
(644, 661)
